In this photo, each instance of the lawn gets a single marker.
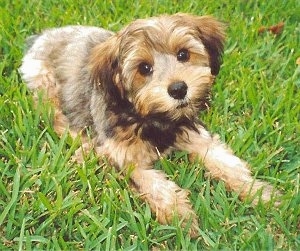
(49, 202)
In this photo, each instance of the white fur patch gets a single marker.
(31, 69)
(222, 155)
(229, 163)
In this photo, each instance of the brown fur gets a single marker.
(98, 80)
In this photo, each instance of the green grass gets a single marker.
(48, 202)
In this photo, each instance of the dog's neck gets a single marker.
(158, 129)
(161, 131)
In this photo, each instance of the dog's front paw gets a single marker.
(267, 193)
(178, 208)
(166, 199)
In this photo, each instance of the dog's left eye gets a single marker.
(183, 55)
(145, 69)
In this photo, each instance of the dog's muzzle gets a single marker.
(178, 90)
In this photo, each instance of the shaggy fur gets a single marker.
(139, 91)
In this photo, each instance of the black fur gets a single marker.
(214, 47)
(159, 130)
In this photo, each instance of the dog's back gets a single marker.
(56, 63)
(51, 47)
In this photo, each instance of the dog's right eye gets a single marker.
(145, 69)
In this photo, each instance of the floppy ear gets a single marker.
(212, 34)
(105, 69)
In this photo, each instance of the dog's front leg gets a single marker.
(222, 164)
(165, 198)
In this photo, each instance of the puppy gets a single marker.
(139, 92)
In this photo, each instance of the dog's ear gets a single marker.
(105, 68)
(212, 34)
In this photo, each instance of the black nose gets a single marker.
(178, 90)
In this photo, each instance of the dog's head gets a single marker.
(162, 65)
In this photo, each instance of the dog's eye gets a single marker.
(183, 55)
(145, 69)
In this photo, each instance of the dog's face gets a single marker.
(164, 65)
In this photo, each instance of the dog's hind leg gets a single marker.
(38, 73)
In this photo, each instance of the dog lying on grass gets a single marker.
(139, 92)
